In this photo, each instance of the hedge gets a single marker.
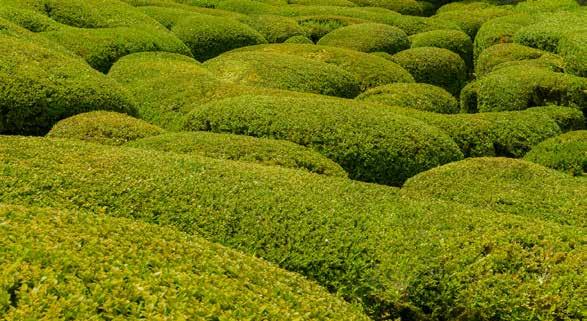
(242, 148)
(395, 256)
(59, 264)
(246, 6)
(371, 71)
(40, 86)
(566, 153)
(335, 3)
(506, 185)
(406, 7)
(104, 127)
(453, 40)
(274, 28)
(573, 47)
(283, 71)
(547, 32)
(435, 66)
(317, 26)
(369, 143)
(303, 40)
(368, 37)
(470, 18)
(500, 30)
(417, 96)
(498, 54)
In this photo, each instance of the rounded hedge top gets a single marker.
(317, 26)
(407, 7)
(274, 28)
(368, 37)
(566, 153)
(60, 264)
(495, 55)
(417, 96)
(243, 148)
(435, 66)
(299, 40)
(453, 40)
(104, 127)
(282, 71)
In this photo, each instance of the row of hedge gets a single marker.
(399, 258)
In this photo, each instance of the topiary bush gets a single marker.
(435, 66)
(407, 7)
(242, 148)
(573, 47)
(368, 37)
(299, 40)
(245, 6)
(417, 96)
(500, 30)
(453, 40)
(274, 28)
(392, 255)
(258, 68)
(369, 143)
(104, 127)
(505, 185)
(566, 153)
(470, 17)
(71, 264)
(317, 26)
(498, 54)
(335, 3)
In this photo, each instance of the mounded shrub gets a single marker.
(500, 30)
(470, 18)
(104, 127)
(282, 71)
(274, 28)
(369, 143)
(393, 255)
(335, 3)
(566, 153)
(371, 71)
(435, 66)
(573, 48)
(406, 7)
(368, 37)
(242, 148)
(245, 6)
(453, 40)
(567, 119)
(299, 40)
(70, 264)
(506, 185)
(417, 96)
(498, 54)
(546, 6)
(209, 36)
(40, 86)
(317, 26)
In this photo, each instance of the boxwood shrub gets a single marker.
(471, 17)
(566, 153)
(498, 54)
(368, 37)
(104, 127)
(412, 95)
(500, 30)
(317, 26)
(407, 7)
(299, 40)
(59, 264)
(453, 40)
(242, 148)
(435, 66)
(335, 3)
(399, 258)
(512, 186)
(274, 28)
(573, 47)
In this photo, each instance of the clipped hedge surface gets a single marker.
(362, 241)
(104, 127)
(274, 28)
(453, 40)
(242, 148)
(471, 17)
(317, 26)
(368, 37)
(506, 185)
(417, 96)
(59, 264)
(283, 71)
(299, 40)
(566, 153)
(406, 7)
(370, 143)
(40, 86)
(496, 55)
(435, 66)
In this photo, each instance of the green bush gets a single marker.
(282, 71)
(209, 36)
(500, 30)
(567, 119)
(397, 257)
(368, 37)
(335, 3)
(316, 27)
(303, 40)
(498, 54)
(103, 127)
(471, 17)
(371, 71)
(573, 48)
(506, 185)
(59, 264)
(274, 28)
(369, 143)
(566, 153)
(548, 31)
(521, 86)
(435, 66)
(246, 6)
(41, 86)
(407, 7)
(417, 96)
(242, 148)
(453, 40)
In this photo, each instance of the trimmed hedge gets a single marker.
(500, 30)
(435, 66)
(40, 86)
(335, 3)
(59, 264)
(369, 143)
(317, 26)
(453, 40)
(245, 6)
(498, 54)
(471, 17)
(371, 71)
(417, 96)
(573, 48)
(243, 148)
(299, 40)
(209, 36)
(407, 7)
(566, 153)
(274, 28)
(104, 127)
(368, 37)
(282, 71)
(506, 185)
(397, 257)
